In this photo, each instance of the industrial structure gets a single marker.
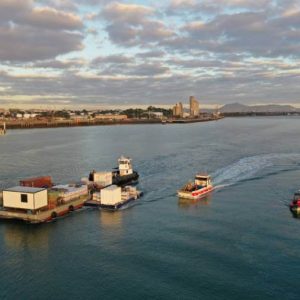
(2, 128)
(194, 110)
(194, 107)
(178, 110)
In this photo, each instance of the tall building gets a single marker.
(178, 110)
(194, 107)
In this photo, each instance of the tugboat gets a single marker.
(114, 197)
(197, 189)
(124, 174)
(295, 204)
(120, 176)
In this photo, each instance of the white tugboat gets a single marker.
(124, 174)
(120, 176)
(197, 189)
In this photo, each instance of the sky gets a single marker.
(98, 53)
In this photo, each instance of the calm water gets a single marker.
(239, 243)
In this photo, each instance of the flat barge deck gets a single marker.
(42, 216)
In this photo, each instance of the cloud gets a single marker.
(220, 6)
(148, 69)
(115, 59)
(21, 43)
(51, 18)
(58, 64)
(64, 5)
(29, 33)
(116, 65)
(221, 51)
(126, 13)
(131, 24)
(11, 9)
(253, 33)
(152, 54)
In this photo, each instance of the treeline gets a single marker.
(150, 112)
(144, 113)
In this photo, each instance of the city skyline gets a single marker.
(97, 53)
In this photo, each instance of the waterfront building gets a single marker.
(178, 110)
(156, 115)
(194, 107)
(111, 117)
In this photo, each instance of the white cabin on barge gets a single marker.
(25, 198)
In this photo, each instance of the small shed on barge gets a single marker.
(27, 198)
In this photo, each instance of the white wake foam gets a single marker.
(249, 167)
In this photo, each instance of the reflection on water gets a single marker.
(149, 251)
(194, 203)
(111, 219)
(17, 236)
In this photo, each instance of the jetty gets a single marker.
(52, 123)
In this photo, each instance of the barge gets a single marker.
(201, 186)
(114, 197)
(295, 204)
(38, 205)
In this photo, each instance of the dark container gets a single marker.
(38, 182)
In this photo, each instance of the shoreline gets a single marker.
(33, 124)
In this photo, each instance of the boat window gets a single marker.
(24, 198)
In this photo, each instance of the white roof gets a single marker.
(68, 188)
(203, 175)
(124, 158)
(25, 189)
(112, 187)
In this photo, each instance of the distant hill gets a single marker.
(271, 108)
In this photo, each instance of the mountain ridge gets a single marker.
(264, 108)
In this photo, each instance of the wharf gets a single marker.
(43, 215)
(196, 120)
(14, 124)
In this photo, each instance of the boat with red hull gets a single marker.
(199, 188)
(295, 204)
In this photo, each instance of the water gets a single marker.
(239, 243)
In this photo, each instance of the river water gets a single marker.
(241, 242)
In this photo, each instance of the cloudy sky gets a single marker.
(94, 53)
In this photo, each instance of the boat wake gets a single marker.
(251, 168)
